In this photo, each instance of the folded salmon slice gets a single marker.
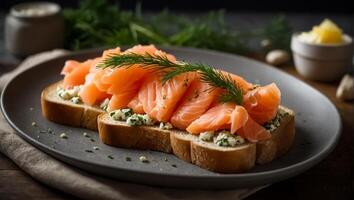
(160, 100)
(232, 117)
(216, 118)
(253, 132)
(75, 72)
(262, 103)
(123, 83)
(196, 101)
(122, 99)
(89, 92)
(240, 82)
(69, 66)
(136, 105)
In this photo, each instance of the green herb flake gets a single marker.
(175, 166)
(92, 140)
(110, 157)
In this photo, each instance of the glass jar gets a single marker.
(34, 27)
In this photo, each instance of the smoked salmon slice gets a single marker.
(123, 83)
(229, 116)
(136, 105)
(214, 119)
(262, 103)
(122, 99)
(162, 99)
(69, 66)
(75, 73)
(89, 92)
(196, 101)
(240, 82)
(239, 118)
(253, 132)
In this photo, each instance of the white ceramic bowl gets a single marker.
(322, 62)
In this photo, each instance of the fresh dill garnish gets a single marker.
(97, 23)
(170, 69)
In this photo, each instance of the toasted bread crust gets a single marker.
(185, 146)
(138, 137)
(280, 142)
(225, 160)
(181, 146)
(65, 112)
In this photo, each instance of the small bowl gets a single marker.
(322, 62)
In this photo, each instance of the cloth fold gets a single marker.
(61, 176)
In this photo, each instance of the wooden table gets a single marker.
(331, 179)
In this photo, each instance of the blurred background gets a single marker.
(342, 6)
(201, 24)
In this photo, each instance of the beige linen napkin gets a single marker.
(56, 174)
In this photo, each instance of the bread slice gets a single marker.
(65, 112)
(186, 146)
(281, 140)
(190, 149)
(119, 133)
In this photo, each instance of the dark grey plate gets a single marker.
(317, 128)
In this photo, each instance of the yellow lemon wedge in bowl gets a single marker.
(324, 54)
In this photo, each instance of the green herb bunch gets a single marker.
(97, 23)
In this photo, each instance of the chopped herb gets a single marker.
(88, 151)
(135, 120)
(144, 159)
(92, 140)
(128, 159)
(110, 157)
(63, 135)
(275, 123)
(175, 166)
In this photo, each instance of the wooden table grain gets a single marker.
(331, 179)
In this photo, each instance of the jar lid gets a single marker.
(35, 9)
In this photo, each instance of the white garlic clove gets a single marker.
(345, 90)
(277, 57)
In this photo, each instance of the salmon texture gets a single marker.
(186, 101)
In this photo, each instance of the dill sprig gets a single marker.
(146, 60)
(170, 69)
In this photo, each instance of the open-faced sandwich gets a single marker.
(143, 98)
